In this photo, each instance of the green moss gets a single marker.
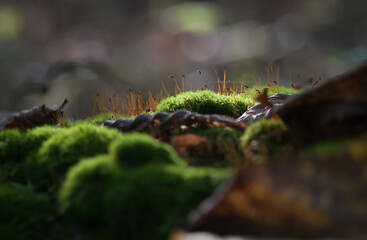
(205, 102)
(24, 214)
(265, 138)
(209, 102)
(16, 147)
(104, 200)
(10, 142)
(166, 195)
(85, 186)
(64, 149)
(135, 149)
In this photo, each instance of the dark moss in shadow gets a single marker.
(26, 215)
(105, 200)
(16, 147)
(85, 188)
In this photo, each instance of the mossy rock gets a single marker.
(209, 102)
(25, 214)
(205, 102)
(265, 138)
(64, 149)
(105, 200)
(135, 149)
(16, 147)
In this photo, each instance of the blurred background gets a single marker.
(75, 48)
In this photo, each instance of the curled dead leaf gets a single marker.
(36, 116)
(264, 99)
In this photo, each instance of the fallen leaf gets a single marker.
(36, 116)
(263, 98)
(19, 123)
(296, 86)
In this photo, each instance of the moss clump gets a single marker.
(209, 102)
(16, 147)
(205, 102)
(265, 138)
(104, 200)
(135, 149)
(86, 186)
(64, 149)
(10, 143)
(24, 214)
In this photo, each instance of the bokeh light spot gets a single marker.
(192, 17)
(11, 22)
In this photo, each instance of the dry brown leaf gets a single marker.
(19, 123)
(36, 116)
(264, 99)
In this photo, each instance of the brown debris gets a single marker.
(289, 198)
(189, 144)
(160, 124)
(296, 86)
(336, 108)
(264, 99)
(19, 123)
(36, 116)
(348, 87)
(262, 110)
